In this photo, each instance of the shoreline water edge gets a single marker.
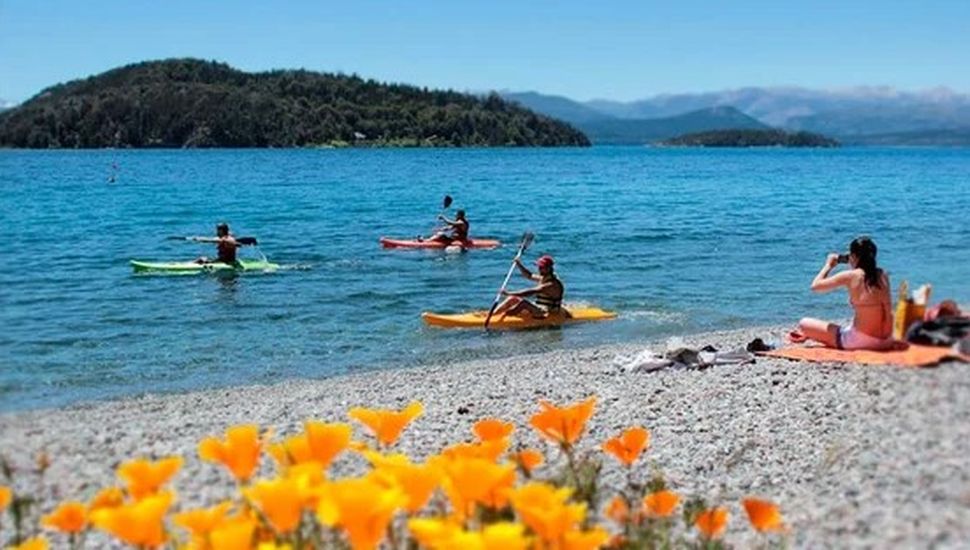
(856, 456)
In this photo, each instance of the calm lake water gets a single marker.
(675, 240)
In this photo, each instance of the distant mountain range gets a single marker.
(876, 115)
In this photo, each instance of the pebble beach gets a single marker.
(856, 456)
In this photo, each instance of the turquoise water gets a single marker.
(675, 240)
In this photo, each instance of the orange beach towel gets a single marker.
(913, 356)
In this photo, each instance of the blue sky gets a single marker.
(617, 50)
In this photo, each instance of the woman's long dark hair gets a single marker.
(865, 252)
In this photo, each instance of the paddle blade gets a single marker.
(446, 203)
(176, 238)
(527, 238)
(247, 241)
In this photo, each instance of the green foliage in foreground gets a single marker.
(751, 138)
(193, 103)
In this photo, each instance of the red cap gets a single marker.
(544, 261)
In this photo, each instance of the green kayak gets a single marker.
(193, 267)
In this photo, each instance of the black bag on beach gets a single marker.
(944, 331)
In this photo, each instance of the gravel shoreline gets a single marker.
(857, 456)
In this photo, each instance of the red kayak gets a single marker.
(416, 243)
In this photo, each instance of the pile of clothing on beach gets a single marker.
(679, 356)
(942, 325)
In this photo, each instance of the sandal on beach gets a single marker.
(757, 345)
(796, 337)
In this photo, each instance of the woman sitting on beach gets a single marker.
(869, 296)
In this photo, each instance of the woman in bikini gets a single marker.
(869, 296)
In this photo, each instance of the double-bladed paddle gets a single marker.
(526, 241)
(251, 241)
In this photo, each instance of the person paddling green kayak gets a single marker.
(226, 245)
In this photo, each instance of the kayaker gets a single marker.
(459, 228)
(225, 243)
(548, 292)
(869, 296)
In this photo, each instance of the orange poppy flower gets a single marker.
(468, 481)
(144, 477)
(764, 515)
(712, 522)
(488, 429)
(385, 424)
(36, 543)
(546, 510)
(110, 497)
(280, 500)
(201, 521)
(6, 495)
(660, 504)
(585, 540)
(563, 425)
(629, 445)
(492, 449)
(68, 517)
(529, 459)
(320, 442)
(618, 510)
(239, 452)
(138, 523)
(233, 534)
(362, 507)
(418, 481)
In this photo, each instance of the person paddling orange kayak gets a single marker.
(548, 292)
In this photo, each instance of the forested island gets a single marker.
(750, 138)
(194, 103)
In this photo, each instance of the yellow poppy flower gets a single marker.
(280, 500)
(764, 515)
(110, 497)
(138, 523)
(433, 533)
(144, 477)
(628, 446)
(233, 534)
(660, 504)
(201, 521)
(488, 429)
(362, 507)
(418, 481)
(505, 536)
(712, 522)
(387, 425)
(564, 425)
(36, 543)
(68, 517)
(6, 495)
(546, 510)
(239, 452)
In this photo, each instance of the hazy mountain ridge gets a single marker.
(848, 114)
(643, 131)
